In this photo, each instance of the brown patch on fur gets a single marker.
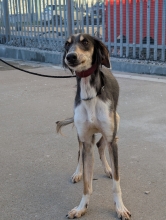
(112, 120)
(81, 37)
(81, 52)
(78, 155)
(113, 151)
(99, 144)
(87, 158)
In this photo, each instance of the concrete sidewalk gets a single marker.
(36, 163)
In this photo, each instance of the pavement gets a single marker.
(36, 164)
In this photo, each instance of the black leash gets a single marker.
(36, 74)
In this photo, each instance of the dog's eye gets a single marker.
(84, 42)
(67, 44)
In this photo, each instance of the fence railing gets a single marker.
(130, 28)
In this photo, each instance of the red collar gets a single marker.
(87, 72)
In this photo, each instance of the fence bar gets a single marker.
(72, 17)
(115, 30)
(6, 20)
(163, 56)
(103, 22)
(11, 19)
(37, 20)
(48, 23)
(134, 29)
(127, 28)
(32, 19)
(1, 24)
(97, 13)
(65, 18)
(155, 30)
(44, 20)
(109, 26)
(20, 22)
(41, 24)
(60, 22)
(87, 19)
(23, 21)
(52, 24)
(56, 21)
(82, 22)
(77, 18)
(27, 20)
(141, 28)
(17, 23)
(92, 20)
(148, 30)
(69, 22)
(121, 29)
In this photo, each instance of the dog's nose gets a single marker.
(71, 57)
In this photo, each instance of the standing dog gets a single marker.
(94, 112)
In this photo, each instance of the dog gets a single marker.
(95, 111)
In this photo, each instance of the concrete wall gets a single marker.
(124, 65)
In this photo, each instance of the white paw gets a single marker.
(80, 210)
(76, 177)
(122, 212)
(76, 213)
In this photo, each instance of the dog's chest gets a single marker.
(87, 90)
(94, 112)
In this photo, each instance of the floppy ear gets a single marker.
(101, 53)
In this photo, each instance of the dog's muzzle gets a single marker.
(72, 59)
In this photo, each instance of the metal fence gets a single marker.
(130, 28)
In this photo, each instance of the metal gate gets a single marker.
(130, 28)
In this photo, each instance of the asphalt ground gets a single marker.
(36, 164)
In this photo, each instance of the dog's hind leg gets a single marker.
(76, 177)
(88, 163)
(101, 144)
(121, 210)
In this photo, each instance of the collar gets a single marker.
(87, 72)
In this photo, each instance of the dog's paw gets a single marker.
(108, 172)
(76, 177)
(76, 213)
(122, 212)
(80, 210)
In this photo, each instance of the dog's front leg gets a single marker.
(88, 162)
(121, 210)
(76, 177)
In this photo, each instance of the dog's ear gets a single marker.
(101, 53)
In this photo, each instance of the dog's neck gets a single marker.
(88, 72)
(89, 87)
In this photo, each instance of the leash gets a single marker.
(33, 73)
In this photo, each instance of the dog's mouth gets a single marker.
(76, 61)
(75, 64)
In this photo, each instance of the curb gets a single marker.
(27, 54)
(133, 66)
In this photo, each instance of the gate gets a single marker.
(133, 29)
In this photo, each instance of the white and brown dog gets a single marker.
(94, 112)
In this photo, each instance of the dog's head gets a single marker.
(82, 51)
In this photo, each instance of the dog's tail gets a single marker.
(60, 124)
